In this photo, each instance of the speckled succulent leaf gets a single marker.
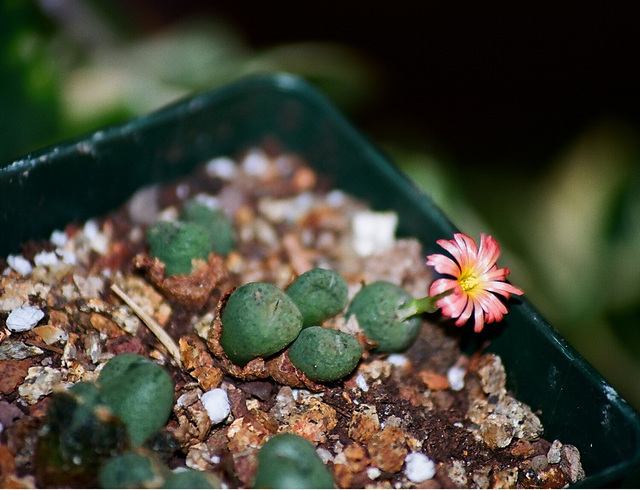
(324, 354)
(176, 244)
(140, 392)
(258, 320)
(130, 470)
(78, 435)
(376, 308)
(215, 222)
(319, 294)
(189, 478)
(290, 461)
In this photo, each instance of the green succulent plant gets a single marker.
(215, 222)
(177, 243)
(290, 461)
(131, 470)
(377, 307)
(80, 432)
(319, 294)
(258, 320)
(189, 478)
(324, 354)
(139, 392)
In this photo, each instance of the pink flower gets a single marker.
(476, 281)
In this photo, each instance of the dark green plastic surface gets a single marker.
(95, 173)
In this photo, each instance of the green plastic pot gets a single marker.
(93, 174)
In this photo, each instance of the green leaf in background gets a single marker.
(28, 80)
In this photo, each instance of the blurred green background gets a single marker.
(523, 122)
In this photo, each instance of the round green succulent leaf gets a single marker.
(139, 392)
(324, 354)
(319, 294)
(376, 309)
(130, 470)
(258, 320)
(215, 222)
(79, 434)
(176, 243)
(290, 461)
(189, 478)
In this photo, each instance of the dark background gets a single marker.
(491, 82)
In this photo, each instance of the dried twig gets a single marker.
(154, 326)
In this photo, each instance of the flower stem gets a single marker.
(420, 305)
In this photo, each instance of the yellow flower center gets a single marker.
(468, 282)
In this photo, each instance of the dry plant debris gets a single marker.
(429, 417)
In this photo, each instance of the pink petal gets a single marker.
(452, 247)
(503, 288)
(478, 320)
(495, 274)
(488, 253)
(493, 308)
(467, 250)
(443, 265)
(443, 284)
(466, 314)
(453, 305)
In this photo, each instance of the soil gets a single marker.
(432, 399)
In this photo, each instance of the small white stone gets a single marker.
(23, 319)
(19, 264)
(373, 232)
(45, 259)
(222, 167)
(398, 360)
(554, 455)
(98, 240)
(182, 191)
(455, 375)
(40, 382)
(362, 383)
(67, 256)
(216, 403)
(212, 202)
(59, 238)
(373, 472)
(335, 198)
(418, 467)
(324, 454)
(256, 163)
(182, 399)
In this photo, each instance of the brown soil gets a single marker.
(287, 221)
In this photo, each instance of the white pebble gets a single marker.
(98, 240)
(19, 264)
(555, 452)
(398, 360)
(256, 163)
(67, 256)
(455, 375)
(335, 198)
(182, 191)
(212, 202)
(419, 467)
(59, 238)
(362, 383)
(373, 232)
(45, 259)
(373, 472)
(23, 319)
(324, 454)
(222, 167)
(216, 403)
